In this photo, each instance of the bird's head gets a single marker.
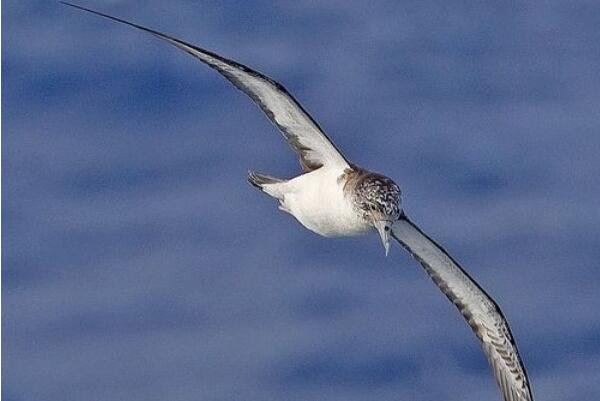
(379, 199)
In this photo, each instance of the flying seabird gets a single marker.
(334, 197)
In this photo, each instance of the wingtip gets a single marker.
(89, 10)
(66, 3)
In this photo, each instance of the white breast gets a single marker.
(317, 201)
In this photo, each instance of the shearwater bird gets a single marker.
(334, 197)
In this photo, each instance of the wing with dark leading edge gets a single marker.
(297, 126)
(477, 307)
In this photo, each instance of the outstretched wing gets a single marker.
(479, 310)
(297, 126)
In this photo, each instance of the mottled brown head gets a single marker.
(374, 195)
(377, 198)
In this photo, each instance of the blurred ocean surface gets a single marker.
(137, 264)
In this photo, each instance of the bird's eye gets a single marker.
(387, 228)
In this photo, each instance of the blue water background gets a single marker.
(137, 264)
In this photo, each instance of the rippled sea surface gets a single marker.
(137, 264)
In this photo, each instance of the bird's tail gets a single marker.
(259, 180)
(266, 183)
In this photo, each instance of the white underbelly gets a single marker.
(317, 201)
